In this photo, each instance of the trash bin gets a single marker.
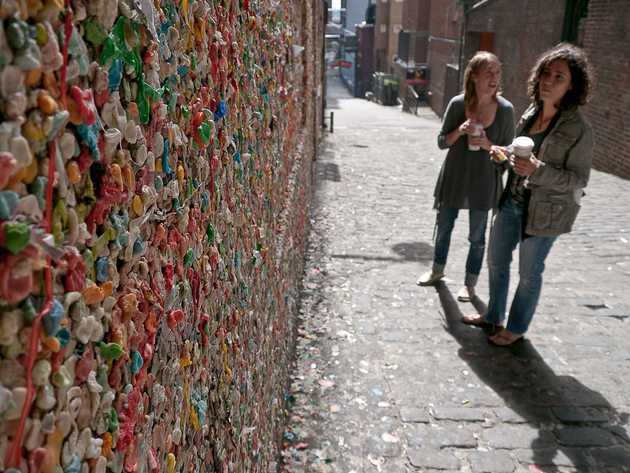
(385, 87)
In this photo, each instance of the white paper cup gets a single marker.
(522, 147)
(476, 131)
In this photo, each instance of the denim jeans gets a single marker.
(506, 233)
(476, 236)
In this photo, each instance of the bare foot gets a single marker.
(476, 320)
(505, 338)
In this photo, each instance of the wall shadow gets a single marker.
(328, 172)
(572, 420)
(324, 167)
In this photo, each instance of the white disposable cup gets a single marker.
(476, 129)
(522, 147)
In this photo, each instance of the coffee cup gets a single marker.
(522, 147)
(476, 129)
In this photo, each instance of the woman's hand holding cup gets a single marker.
(523, 160)
(474, 130)
(525, 166)
(479, 141)
(466, 127)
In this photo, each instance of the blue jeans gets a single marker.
(476, 236)
(505, 235)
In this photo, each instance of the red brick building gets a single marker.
(413, 40)
(445, 26)
(519, 30)
(386, 28)
(606, 37)
(365, 58)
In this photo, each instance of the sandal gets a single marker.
(466, 294)
(475, 320)
(504, 338)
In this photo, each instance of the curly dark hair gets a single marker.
(581, 74)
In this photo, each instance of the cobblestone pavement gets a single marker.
(387, 378)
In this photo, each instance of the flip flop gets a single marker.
(475, 320)
(466, 294)
(504, 338)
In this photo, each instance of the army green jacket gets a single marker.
(557, 186)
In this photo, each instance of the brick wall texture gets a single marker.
(523, 29)
(389, 15)
(445, 30)
(416, 15)
(607, 40)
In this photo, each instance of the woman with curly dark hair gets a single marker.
(542, 196)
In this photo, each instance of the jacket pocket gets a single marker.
(549, 216)
(556, 150)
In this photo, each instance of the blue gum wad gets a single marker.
(52, 320)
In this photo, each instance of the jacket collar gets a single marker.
(532, 111)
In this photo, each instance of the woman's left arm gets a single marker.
(575, 172)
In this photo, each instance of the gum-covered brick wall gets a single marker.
(155, 172)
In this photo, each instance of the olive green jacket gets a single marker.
(557, 185)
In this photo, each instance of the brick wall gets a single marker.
(415, 19)
(395, 25)
(607, 40)
(381, 29)
(420, 47)
(416, 15)
(513, 22)
(365, 58)
(387, 26)
(445, 30)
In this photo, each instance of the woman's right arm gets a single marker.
(450, 132)
(498, 151)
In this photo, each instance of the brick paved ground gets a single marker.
(387, 378)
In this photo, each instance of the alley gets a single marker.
(387, 378)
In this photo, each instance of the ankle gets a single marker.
(471, 280)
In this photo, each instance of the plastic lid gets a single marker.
(522, 146)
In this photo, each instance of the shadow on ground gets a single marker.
(325, 169)
(416, 251)
(574, 422)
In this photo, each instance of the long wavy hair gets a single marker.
(581, 74)
(480, 59)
